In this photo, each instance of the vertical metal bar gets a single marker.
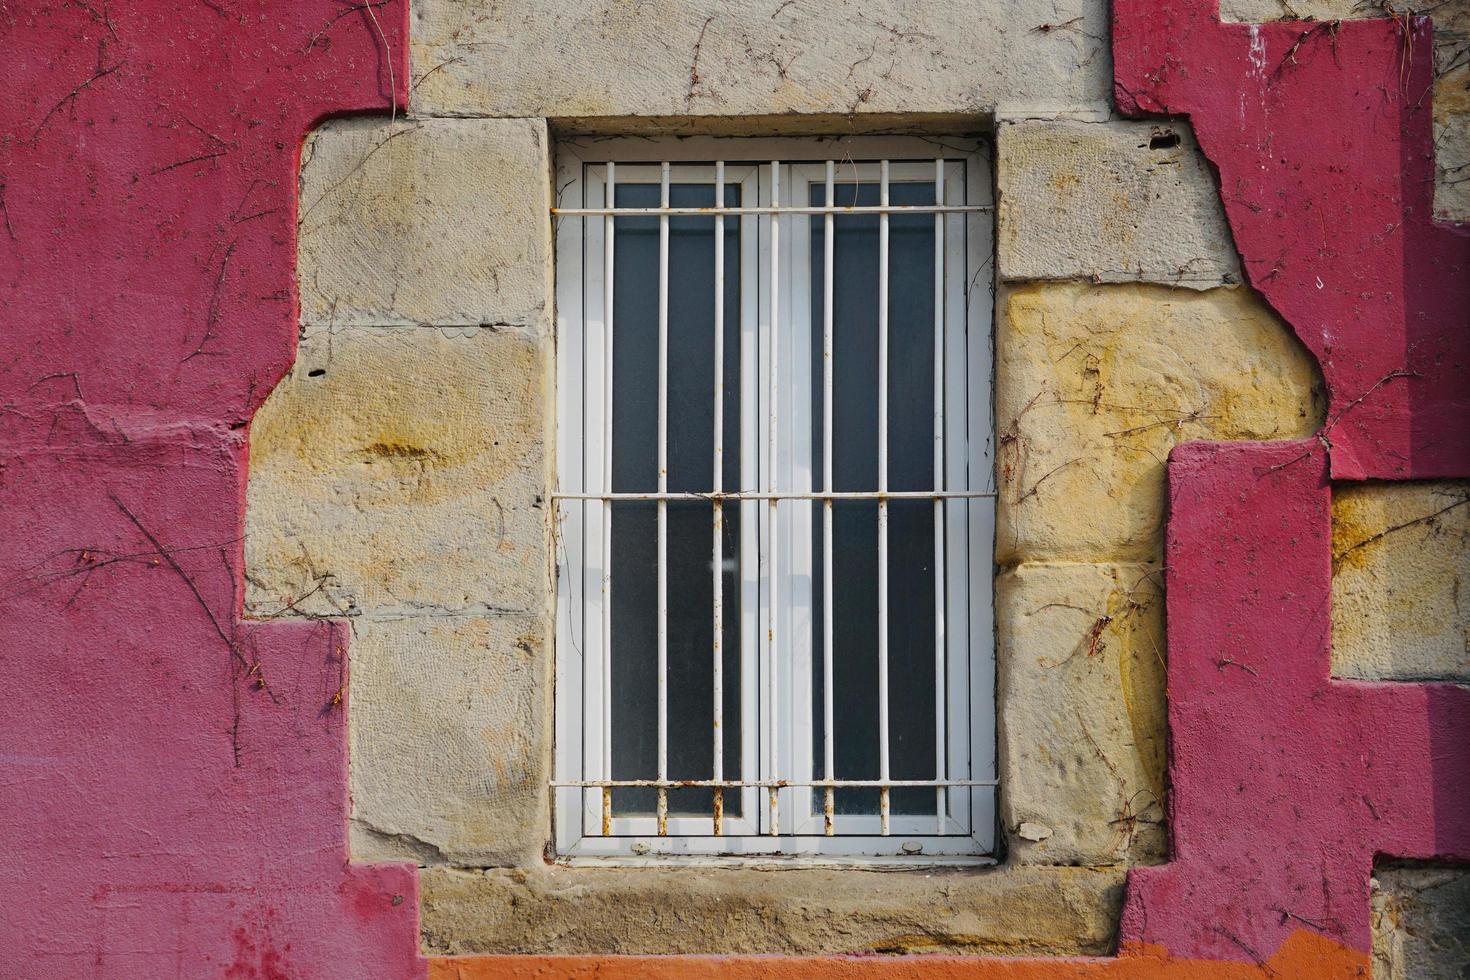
(751, 564)
(609, 239)
(883, 770)
(663, 505)
(717, 482)
(941, 746)
(771, 418)
(829, 586)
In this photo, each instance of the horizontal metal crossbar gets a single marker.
(814, 209)
(772, 783)
(723, 495)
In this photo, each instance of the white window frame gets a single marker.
(775, 820)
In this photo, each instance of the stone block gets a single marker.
(1082, 713)
(1094, 385)
(608, 58)
(1421, 922)
(1110, 202)
(440, 221)
(450, 727)
(1401, 580)
(1261, 11)
(549, 909)
(402, 469)
(1452, 132)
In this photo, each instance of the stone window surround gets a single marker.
(471, 892)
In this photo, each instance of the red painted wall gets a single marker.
(174, 779)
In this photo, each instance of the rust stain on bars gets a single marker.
(607, 811)
(883, 809)
(719, 812)
(775, 795)
(663, 812)
(829, 809)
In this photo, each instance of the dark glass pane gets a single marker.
(691, 638)
(634, 659)
(911, 651)
(855, 652)
(855, 468)
(690, 458)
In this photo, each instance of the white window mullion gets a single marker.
(570, 525)
(829, 582)
(976, 299)
(941, 598)
(662, 507)
(883, 772)
(795, 373)
(773, 334)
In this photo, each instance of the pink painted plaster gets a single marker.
(1321, 134)
(1285, 783)
(172, 780)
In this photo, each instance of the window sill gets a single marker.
(787, 908)
(778, 862)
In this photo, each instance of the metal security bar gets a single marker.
(774, 209)
(768, 769)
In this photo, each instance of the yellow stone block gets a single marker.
(1109, 202)
(1082, 712)
(1094, 386)
(451, 735)
(396, 469)
(1401, 580)
(442, 221)
(1452, 131)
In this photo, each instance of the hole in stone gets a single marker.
(316, 372)
(1163, 141)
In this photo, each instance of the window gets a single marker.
(775, 507)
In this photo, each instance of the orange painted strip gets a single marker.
(1304, 956)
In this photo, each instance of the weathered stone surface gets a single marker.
(441, 221)
(1260, 11)
(1082, 712)
(1401, 580)
(1421, 923)
(1452, 130)
(450, 728)
(1111, 202)
(401, 469)
(551, 909)
(756, 57)
(1095, 384)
